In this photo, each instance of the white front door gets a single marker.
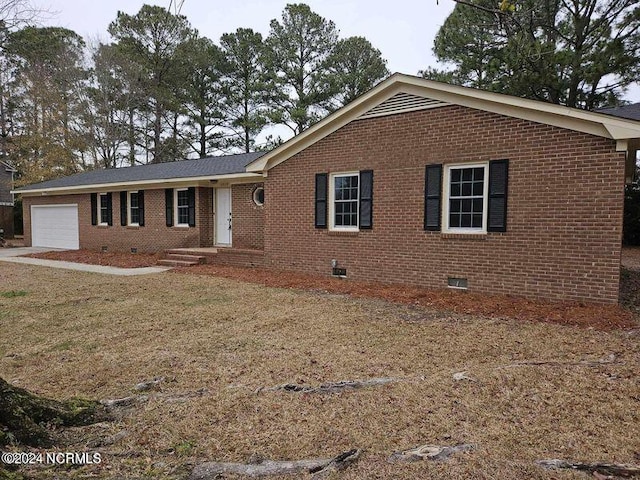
(223, 216)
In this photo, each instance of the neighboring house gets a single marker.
(415, 182)
(6, 199)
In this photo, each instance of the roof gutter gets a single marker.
(158, 183)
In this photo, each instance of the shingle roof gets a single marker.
(202, 167)
(626, 111)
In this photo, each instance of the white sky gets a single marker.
(403, 30)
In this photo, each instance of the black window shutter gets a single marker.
(366, 199)
(141, 207)
(432, 197)
(168, 202)
(123, 208)
(192, 206)
(498, 184)
(109, 209)
(94, 209)
(321, 200)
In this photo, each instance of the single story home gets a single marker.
(415, 182)
(6, 199)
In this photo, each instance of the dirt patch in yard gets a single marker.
(597, 316)
(530, 390)
(112, 259)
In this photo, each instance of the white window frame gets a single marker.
(175, 207)
(332, 201)
(129, 223)
(99, 206)
(445, 198)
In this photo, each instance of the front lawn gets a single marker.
(534, 390)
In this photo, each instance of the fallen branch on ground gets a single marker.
(331, 387)
(339, 462)
(149, 384)
(113, 404)
(210, 470)
(586, 363)
(603, 468)
(428, 452)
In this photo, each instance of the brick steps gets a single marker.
(237, 257)
(181, 260)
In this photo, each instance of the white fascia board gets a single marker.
(597, 124)
(158, 183)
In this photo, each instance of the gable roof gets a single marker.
(401, 93)
(203, 168)
(625, 111)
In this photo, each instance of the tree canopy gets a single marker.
(580, 53)
(159, 91)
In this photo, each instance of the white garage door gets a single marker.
(55, 226)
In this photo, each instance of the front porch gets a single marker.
(237, 257)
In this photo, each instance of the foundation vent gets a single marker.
(460, 283)
(339, 272)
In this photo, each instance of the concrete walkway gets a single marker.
(13, 255)
(16, 252)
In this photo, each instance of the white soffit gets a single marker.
(400, 103)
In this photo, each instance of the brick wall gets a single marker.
(204, 203)
(564, 230)
(155, 236)
(248, 218)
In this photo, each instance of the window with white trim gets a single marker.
(182, 207)
(465, 202)
(134, 209)
(344, 205)
(103, 209)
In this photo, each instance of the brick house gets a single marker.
(415, 182)
(6, 199)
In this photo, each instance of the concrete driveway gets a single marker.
(16, 252)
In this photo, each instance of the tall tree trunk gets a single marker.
(131, 140)
(157, 133)
(247, 137)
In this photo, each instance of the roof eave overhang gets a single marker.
(545, 113)
(208, 180)
(328, 125)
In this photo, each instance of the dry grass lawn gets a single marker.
(66, 334)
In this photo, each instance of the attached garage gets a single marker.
(55, 226)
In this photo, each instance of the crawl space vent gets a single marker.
(339, 272)
(454, 282)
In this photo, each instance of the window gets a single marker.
(134, 209)
(344, 195)
(103, 209)
(465, 205)
(182, 207)
(258, 196)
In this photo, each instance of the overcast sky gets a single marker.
(403, 30)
